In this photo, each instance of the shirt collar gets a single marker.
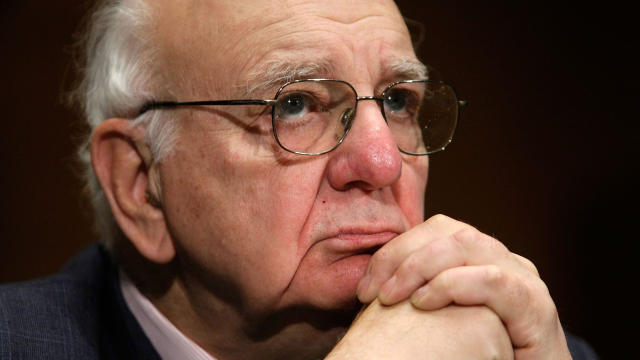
(168, 341)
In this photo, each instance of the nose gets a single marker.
(369, 157)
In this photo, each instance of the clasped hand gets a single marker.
(443, 263)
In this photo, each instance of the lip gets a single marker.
(355, 241)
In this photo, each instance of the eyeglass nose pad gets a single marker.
(347, 118)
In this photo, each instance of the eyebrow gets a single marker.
(278, 72)
(408, 69)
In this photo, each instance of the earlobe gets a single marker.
(124, 175)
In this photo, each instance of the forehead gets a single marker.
(218, 43)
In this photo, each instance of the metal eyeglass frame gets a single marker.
(380, 99)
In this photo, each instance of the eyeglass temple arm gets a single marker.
(171, 104)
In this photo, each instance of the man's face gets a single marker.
(251, 222)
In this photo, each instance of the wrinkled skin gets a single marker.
(261, 253)
(253, 214)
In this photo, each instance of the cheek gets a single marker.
(410, 189)
(238, 218)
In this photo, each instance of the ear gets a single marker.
(121, 164)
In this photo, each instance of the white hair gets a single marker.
(278, 72)
(119, 75)
(117, 78)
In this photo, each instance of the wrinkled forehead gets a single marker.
(213, 46)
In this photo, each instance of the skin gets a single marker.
(321, 209)
(401, 332)
(444, 261)
(259, 253)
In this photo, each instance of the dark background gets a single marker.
(544, 157)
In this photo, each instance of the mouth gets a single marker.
(352, 243)
(367, 251)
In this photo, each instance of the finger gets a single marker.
(420, 267)
(387, 259)
(466, 247)
(528, 264)
(523, 304)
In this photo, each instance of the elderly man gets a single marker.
(259, 171)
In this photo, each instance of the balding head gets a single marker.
(217, 47)
(258, 245)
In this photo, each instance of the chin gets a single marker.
(333, 287)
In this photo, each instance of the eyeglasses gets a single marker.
(313, 116)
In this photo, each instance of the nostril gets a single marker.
(358, 184)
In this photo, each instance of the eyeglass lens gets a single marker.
(313, 116)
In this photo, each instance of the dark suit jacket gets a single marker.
(80, 314)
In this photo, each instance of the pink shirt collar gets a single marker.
(168, 341)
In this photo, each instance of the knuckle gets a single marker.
(521, 293)
(411, 265)
(494, 275)
(472, 237)
(541, 321)
(438, 248)
(465, 234)
(540, 315)
(468, 233)
(439, 218)
(533, 268)
(383, 255)
(379, 258)
(469, 238)
(492, 243)
(445, 282)
(528, 264)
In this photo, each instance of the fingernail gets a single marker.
(420, 295)
(387, 291)
(363, 287)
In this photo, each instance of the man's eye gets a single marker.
(396, 101)
(294, 105)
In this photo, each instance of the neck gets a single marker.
(228, 333)
(223, 328)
